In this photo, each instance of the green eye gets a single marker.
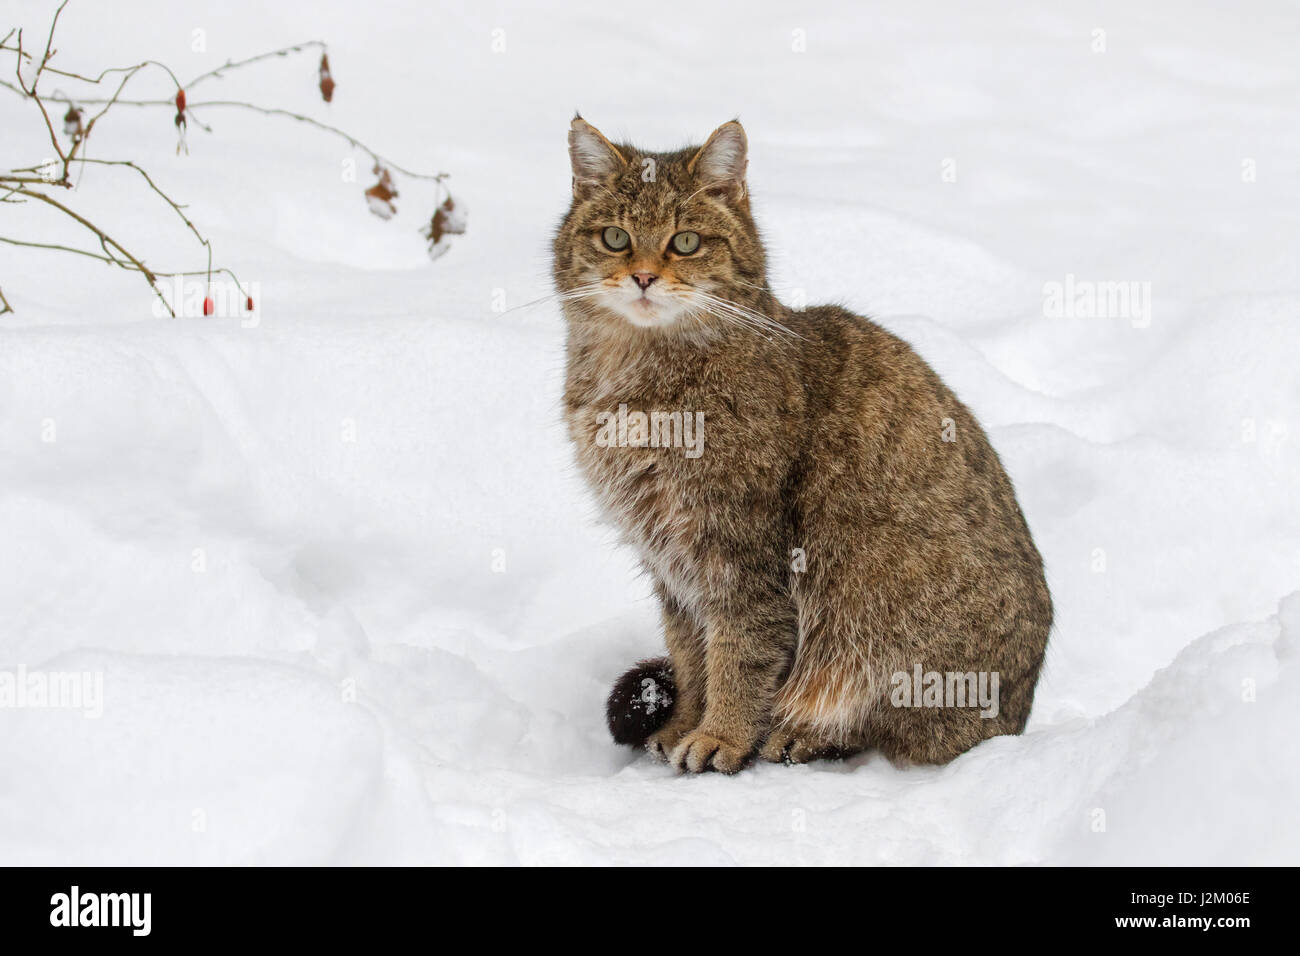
(684, 243)
(615, 238)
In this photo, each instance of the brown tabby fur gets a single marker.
(823, 432)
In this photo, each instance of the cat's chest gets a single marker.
(640, 446)
(648, 461)
(669, 448)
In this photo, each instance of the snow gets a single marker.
(344, 588)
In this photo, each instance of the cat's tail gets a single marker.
(640, 702)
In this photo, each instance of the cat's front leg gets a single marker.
(685, 639)
(745, 657)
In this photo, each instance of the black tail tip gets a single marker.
(640, 702)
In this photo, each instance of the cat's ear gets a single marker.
(723, 160)
(594, 157)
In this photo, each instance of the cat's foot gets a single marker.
(792, 745)
(664, 741)
(700, 750)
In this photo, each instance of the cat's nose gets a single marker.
(643, 279)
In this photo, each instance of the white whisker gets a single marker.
(590, 290)
(744, 315)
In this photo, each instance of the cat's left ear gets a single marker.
(723, 160)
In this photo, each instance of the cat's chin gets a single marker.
(645, 314)
(651, 321)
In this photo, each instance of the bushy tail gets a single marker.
(640, 702)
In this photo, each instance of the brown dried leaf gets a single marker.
(326, 79)
(380, 196)
(448, 220)
(72, 127)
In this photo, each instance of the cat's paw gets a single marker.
(699, 750)
(664, 741)
(790, 745)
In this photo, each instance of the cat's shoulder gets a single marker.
(837, 335)
(838, 321)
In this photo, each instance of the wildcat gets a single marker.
(846, 521)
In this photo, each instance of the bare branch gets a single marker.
(325, 127)
(15, 184)
(114, 261)
(105, 241)
(268, 111)
(95, 119)
(235, 64)
(31, 93)
(49, 40)
(152, 185)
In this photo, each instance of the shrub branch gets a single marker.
(16, 184)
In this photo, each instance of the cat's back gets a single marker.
(879, 412)
(852, 362)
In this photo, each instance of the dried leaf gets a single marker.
(326, 79)
(448, 220)
(72, 127)
(380, 196)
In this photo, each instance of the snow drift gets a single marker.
(343, 588)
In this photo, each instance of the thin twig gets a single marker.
(235, 64)
(85, 134)
(352, 140)
(31, 92)
(105, 240)
(152, 185)
(216, 73)
(269, 111)
(114, 261)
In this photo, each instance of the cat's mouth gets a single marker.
(645, 308)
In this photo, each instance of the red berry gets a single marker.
(249, 304)
(208, 306)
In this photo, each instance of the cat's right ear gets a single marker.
(594, 158)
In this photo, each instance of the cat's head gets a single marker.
(658, 240)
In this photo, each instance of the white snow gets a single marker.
(336, 569)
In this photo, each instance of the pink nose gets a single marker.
(643, 279)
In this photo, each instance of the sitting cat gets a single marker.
(844, 539)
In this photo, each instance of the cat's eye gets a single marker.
(685, 243)
(615, 239)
